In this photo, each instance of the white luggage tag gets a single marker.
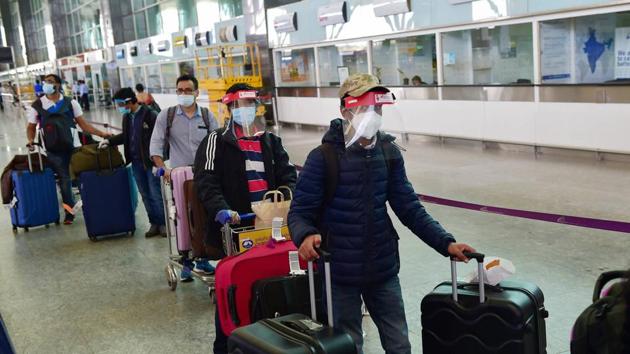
(276, 229)
(12, 204)
(77, 206)
(294, 264)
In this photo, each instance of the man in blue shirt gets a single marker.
(178, 132)
(138, 123)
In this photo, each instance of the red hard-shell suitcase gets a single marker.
(464, 318)
(235, 276)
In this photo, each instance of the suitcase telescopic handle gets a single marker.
(311, 286)
(479, 257)
(37, 150)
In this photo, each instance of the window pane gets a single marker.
(230, 8)
(501, 55)
(187, 11)
(126, 77)
(154, 20)
(138, 76)
(128, 31)
(137, 5)
(405, 61)
(141, 25)
(169, 77)
(338, 61)
(593, 49)
(187, 68)
(153, 78)
(295, 67)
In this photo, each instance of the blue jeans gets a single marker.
(61, 165)
(149, 188)
(385, 303)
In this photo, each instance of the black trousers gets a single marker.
(85, 101)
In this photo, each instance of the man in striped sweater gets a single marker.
(235, 166)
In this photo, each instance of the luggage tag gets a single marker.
(12, 204)
(294, 264)
(276, 229)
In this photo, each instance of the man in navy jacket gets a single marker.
(352, 222)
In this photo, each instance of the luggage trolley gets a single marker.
(175, 259)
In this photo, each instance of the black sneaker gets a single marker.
(154, 230)
(69, 219)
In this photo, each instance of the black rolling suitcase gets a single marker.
(475, 319)
(294, 333)
(279, 296)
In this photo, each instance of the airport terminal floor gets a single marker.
(62, 293)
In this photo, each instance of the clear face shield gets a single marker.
(245, 106)
(365, 115)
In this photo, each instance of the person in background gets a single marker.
(38, 88)
(417, 81)
(146, 98)
(53, 102)
(75, 91)
(14, 92)
(84, 93)
(190, 124)
(138, 123)
(351, 220)
(67, 89)
(221, 186)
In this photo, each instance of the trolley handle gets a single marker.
(248, 216)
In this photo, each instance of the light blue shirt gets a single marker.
(185, 136)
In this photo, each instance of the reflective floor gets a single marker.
(61, 293)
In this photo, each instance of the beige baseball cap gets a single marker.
(358, 84)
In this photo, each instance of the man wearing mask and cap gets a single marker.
(137, 127)
(177, 134)
(340, 206)
(234, 168)
(45, 109)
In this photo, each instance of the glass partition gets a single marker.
(153, 78)
(169, 77)
(500, 55)
(589, 49)
(295, 67)
(409, 61)
(138, 76)
(338, 61)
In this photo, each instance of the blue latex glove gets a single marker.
(224, 216)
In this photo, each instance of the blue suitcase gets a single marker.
(107, 202)
(35, 200)
(6, 347)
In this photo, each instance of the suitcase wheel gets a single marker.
(26, 229)
(57, 222)
(93, 238)
(15, 229)
(47, 226)
(171, 277)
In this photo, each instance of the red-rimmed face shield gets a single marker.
(365, 115)
(244, 107)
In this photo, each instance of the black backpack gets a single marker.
(600, 327)
(56, 127)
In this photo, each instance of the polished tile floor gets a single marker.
(61, 293)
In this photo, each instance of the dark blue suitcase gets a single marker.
(35, 200)
(6, 347)
(107, 202)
